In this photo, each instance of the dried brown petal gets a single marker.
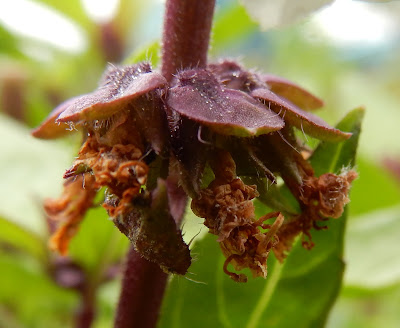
(248, 247)
(143, 217)
(323, 197)
(328, 194)
(307, 122)
(118, 167)
(70, 209)
(197, 94)
(229, 213)
(286, 237)
(292, 92)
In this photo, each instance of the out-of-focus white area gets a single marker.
(101, 10)
(357, 23)
(277, 13)
(345, 22)
(39, 22)
(36, 21)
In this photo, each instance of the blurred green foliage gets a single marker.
(31, 170)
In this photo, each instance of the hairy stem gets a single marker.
(187, 27)
(143, 287)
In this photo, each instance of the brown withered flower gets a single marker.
(211, 129)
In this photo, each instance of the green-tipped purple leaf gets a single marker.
(196, 94)
(307, 122)
(292, 92)
(50, 129)
(120, 86)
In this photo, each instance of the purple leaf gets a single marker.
(307, 122)
(50, 129)
(120, 86)
(196, 94)
(234, 76)
(292, 92)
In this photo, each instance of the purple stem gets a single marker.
(144, 283)
(187, 27)
(86, 313)
(143, 287)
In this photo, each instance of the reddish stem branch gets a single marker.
(86, 313)
(187, 27)
(142, 291)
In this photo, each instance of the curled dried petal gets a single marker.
(118, 167)
(286, 236)
(248, 247)
(70, 209)
(328, 194)
(323, 197)
(229, 213)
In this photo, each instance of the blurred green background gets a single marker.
(347, 54)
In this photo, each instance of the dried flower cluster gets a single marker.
(142, 131)
(226, 204)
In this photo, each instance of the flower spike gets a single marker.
(210, 130)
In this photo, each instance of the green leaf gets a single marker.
(9, 44)
(26, 291)
(297, 293)
(371, 249)
(366, 192)
(22, 239)
(150, 52)
(353, 309)
(275, 197)
(98, 243)
(332, 157)
(30, 170)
